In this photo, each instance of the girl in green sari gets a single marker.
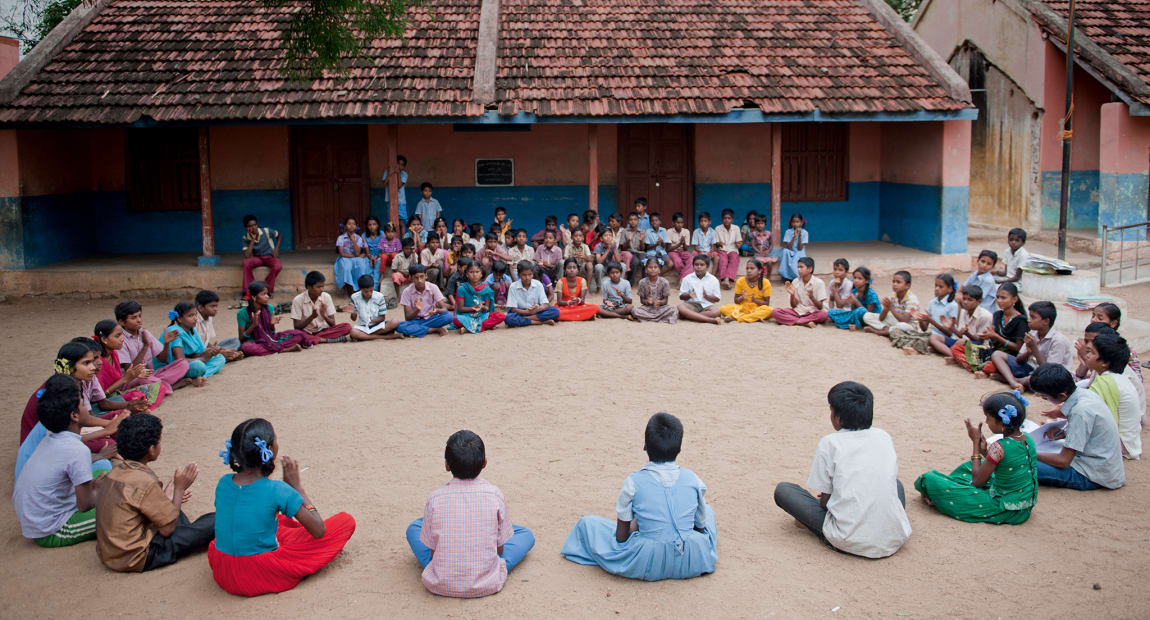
(999, 484)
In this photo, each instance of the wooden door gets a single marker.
(655, 161)
(330, 181)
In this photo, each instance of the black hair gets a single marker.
(641, 200)
(704, 214)
(1006, 408)
(525, 265)
(1012, 288)
(655, 214)
(1113, 312)
(798, 215)
(254, 290)
(137, 434)
(808, 261)
(844, 263)
(465, 454)
(89, 343)
(948, 280)
(490, 237)
(589, 216)
(972, 291)
(468, 264)
(991, 254)
(204, 298)
(498, 266)
(726, 212)
(677, 216)
(498, 209)
(475, 229)
(389, 227)
(313, 278)
(663, 438)
(1099, 328)
(1052, 379)
(702, 257)
(1045, 311)
(548, 232)
(550, 219)
(370, 219)
(366, 281)
(407, 242)
(424, 185)
(762, 272)
(351, 218)
(436, 221)
(614, 265)
(244, 453)
(400, 158)
(853, 404)
(1113, 350)
(125, 309)
(60, 399)
(905, 275)
(432, 236)
(104, 329)
(865, 274)
(249, 218)
(182, 308)
(569, 261)
(649, 260)
(1017, 232)
(416, 268)
(72, 352)
(571, 215)
(415, 218)
(467, 247)
(615, 216)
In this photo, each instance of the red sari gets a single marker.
(150, 387)
(582, 312)
(298, 555)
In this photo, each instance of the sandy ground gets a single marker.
(562, 412)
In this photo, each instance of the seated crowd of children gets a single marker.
(266, 535)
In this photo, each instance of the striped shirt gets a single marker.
(465, 522)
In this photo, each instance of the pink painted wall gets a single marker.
(253, 157)
(1089, 96)
(911, 153)
(546, 155)
(956, 153)
(865, 145)
(9, 164)
(733, 153)
(9, 54)
(1125, 141)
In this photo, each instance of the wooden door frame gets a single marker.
(293, 177)
(623, 202)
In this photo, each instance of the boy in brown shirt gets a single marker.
(139, 524)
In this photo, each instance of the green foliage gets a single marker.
(32, 20)
(327, 35)
(905, 8)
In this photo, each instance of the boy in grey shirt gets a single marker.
(1091, 458)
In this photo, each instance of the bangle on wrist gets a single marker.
(310, 508)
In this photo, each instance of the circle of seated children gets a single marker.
(72, 486)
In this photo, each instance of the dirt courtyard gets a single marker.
(562, 410)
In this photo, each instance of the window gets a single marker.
(163, 169)
(814, 162)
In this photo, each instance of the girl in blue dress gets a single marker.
(354, 259)
(181, 341)
(664, 527)
(862, 300)
(793, 248)
(474, 300)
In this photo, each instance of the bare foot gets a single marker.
(438, 330)
(853, 327)
(717, 321)
(294, 348)
(550, 322)
(199, 382)
(980, 375)
(909, 351)
(949, 360)
(811, 325)
(728, 319)
(926, 500)
(182, 383)
(799, 524)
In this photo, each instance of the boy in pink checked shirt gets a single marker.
(465, 541)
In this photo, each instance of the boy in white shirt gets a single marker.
(700, 293)
(1014, 258)
(369, 310)
(861, 504)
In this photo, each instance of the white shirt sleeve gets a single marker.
(626, 498)
(822, 470)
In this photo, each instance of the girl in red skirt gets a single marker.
(260, 548)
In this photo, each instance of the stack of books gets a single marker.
(1086, 303)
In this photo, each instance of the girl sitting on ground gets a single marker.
(863, 299)
(203, 362)
(571, 295)
(475, 302)
(135, 381)
(1006, 333)
(654, 294)
(500, 282)
(752, 296)
(258, 335)
(999, 484)
(269, 536)
(664, 528)
(972, 320)
(936, 320)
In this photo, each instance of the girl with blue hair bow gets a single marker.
(999, 484)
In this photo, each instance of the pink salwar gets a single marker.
(682, 261)
(728, 265)
(788, 316)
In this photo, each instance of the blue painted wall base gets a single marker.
(1122, 201)
(926, 217)
(1084, 193)
(208, 261)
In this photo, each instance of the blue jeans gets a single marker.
(521, 320)
(514, 550)
(418, 328)
(1064, 477)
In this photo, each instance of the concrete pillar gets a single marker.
(11, 204)
(593, 167)
(209, 258)
(776, 182)
(955, 201)
(1124, 159)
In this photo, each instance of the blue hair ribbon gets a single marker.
(173, 315)
(265, 453)
(1017, 394)
(226, 453)
(1007, 414)
(40, 392)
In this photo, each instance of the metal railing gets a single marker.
(1125, 254)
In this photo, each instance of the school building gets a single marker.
(146, 126)
(1013, 55)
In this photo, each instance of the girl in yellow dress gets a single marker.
(752, 297)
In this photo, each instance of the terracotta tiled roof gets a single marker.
(1120, 27)
(195, 60)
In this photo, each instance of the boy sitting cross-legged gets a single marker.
(139, 524)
